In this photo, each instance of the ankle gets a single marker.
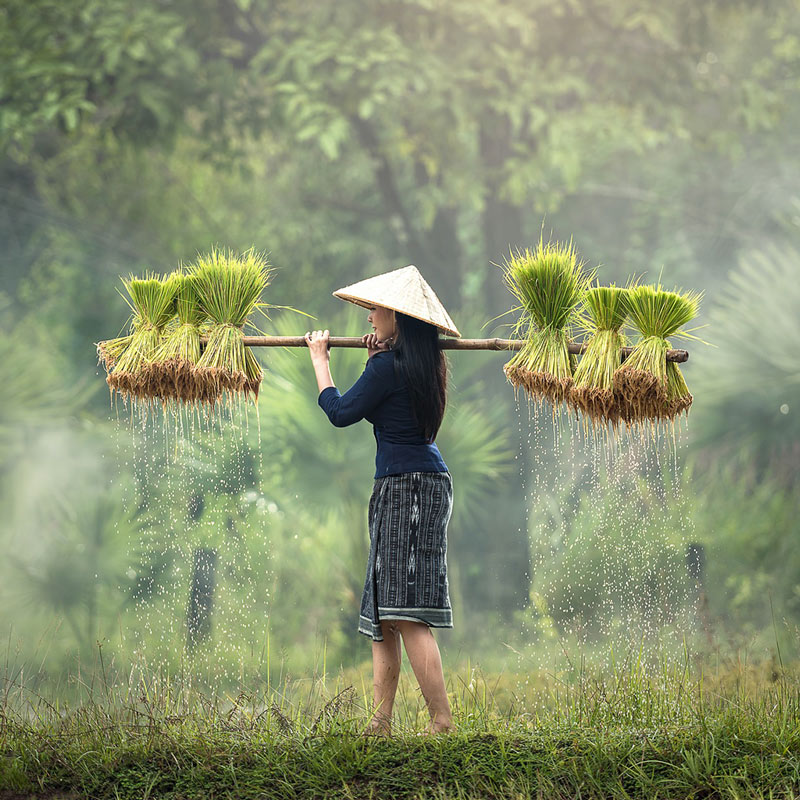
(440, 727)
(380, 727)
(380, 720)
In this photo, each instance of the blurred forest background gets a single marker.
(347, 139)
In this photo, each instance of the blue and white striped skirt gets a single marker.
(407, 566)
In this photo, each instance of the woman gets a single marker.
(402, 392)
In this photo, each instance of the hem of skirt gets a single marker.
(444, 619)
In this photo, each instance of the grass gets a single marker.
(631, 733)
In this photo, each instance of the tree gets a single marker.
(474, 119)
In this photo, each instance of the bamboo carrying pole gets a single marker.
(679, 356)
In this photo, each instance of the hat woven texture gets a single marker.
(403, 290)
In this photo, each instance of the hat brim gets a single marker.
(360, 301)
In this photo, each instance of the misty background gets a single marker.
(347, 139)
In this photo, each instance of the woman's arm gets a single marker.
(366, 393)
(322, 370)
(320, 354)
(320, 357)
(362, 397)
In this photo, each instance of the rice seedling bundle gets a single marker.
(152, 301)
(170, 373)
(592, 390)
(228, 289)
(549, 284)
(109, 350)
(679, 400)
(648, 385)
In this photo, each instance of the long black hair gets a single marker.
(422, 365)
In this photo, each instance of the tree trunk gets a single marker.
(201, 596)
(433, 252)
(502, 221)
(696, 567)
(502, 229)
(443, 265)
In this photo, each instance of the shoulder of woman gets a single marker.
(383, 358)
(382, 362)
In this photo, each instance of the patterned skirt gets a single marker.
(407, 566)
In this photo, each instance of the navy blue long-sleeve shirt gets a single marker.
(380, 397)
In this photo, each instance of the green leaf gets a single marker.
(70, 116)
(365, 108)
(329, 144)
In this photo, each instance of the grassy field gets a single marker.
(633, 732)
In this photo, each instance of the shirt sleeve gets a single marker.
(365, 394)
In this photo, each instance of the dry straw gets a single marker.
(152, 301)
(228, 288)
(650, 387)
(592, 391)
(550, 284)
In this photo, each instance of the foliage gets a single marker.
(115, 60)
(747, 386)
(31, 392)
(346, 137)
(76, 572)
(615, 558)
(460, 111)
(753, 568)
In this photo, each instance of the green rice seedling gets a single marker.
(592, 391)
(170, 373)
(228, 288)
(549, 284)
(679, 399)
(643, 382)
(152, 301)
(109, 350)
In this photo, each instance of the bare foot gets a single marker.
(378, 729)
(439, 727)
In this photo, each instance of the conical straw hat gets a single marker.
(403, 290)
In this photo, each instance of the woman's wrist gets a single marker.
(323, 373)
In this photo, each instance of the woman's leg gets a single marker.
(386, 659)
(423, 653)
